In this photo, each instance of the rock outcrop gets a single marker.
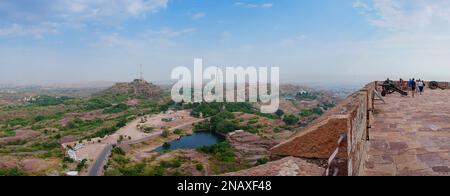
(289, 166)
(137, 88)
(249, 147)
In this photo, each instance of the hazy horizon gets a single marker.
(348, 42)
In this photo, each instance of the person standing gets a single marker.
(421, 86)
(413, 87)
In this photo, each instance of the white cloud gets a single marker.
(411, 33)
(267, 5)
(150, 39)
(36, 31)
(405, 15)
(198, 16)
(290, 42)
(252, 5)
(26, 17)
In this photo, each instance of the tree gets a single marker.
(279, 113)
(178, 131)
(166, 146)
(291, 119)
(199, 167)
(165, 133)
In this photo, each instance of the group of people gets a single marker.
(416, 86)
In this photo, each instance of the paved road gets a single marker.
(101, 160)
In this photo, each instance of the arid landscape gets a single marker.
(135, 129)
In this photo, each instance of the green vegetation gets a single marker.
(225, 122)
(279, 113)
(126, 168)
(262, 161)
(97, 103)
(81, 165)
(199, 167)
(309, 112)
(116, 109)
(166, 146)
(166, 106)
(327, 105)
(80, 126)
(290, 119)
(307, 96)
(212, 109)
(165, 133)
(46, 100)
(12, 172)
(118, 150)
(104, 132)
(178, 131)
(223, 159)
(222, 151)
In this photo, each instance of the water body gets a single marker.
(197, 140)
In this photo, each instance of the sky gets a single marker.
(312, 41)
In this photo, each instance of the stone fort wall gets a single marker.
(318, 141)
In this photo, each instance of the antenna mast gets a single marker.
(141, 74)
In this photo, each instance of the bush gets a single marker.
(306, 113)
(118, 150)
(175, 163)
(165, 133)
(306, 96)
(279, 113)
(262, 161)
(166, 146)
(116, 109)
(178, 131)
(12, 172)
(291, 119)
(199, 167)
(81, 165)
(222, 151)
(68, 160)
(253, 121)
(148, 129)
(121, 123)
(49, 101)
(96, 103)
(104, 132)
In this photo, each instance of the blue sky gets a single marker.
(345, 41)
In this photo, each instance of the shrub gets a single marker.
(116, 109)
(121, 123)
(68, 160)
(222, 151)
(262, 161)
(118, 150)
(81, 165)
(279, 113)
(306, 113)
(199, 167)
(104, 132)
(290, 119)
(12, 172)
(165, 133)
(96, 103)
(178, 131)
(166, 146)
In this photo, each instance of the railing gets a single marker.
(333, 156)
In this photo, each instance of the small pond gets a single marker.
(197, 140)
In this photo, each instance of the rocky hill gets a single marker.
(138, 89)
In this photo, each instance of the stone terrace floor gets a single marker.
(410, 136)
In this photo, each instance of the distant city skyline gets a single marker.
(312, 41)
